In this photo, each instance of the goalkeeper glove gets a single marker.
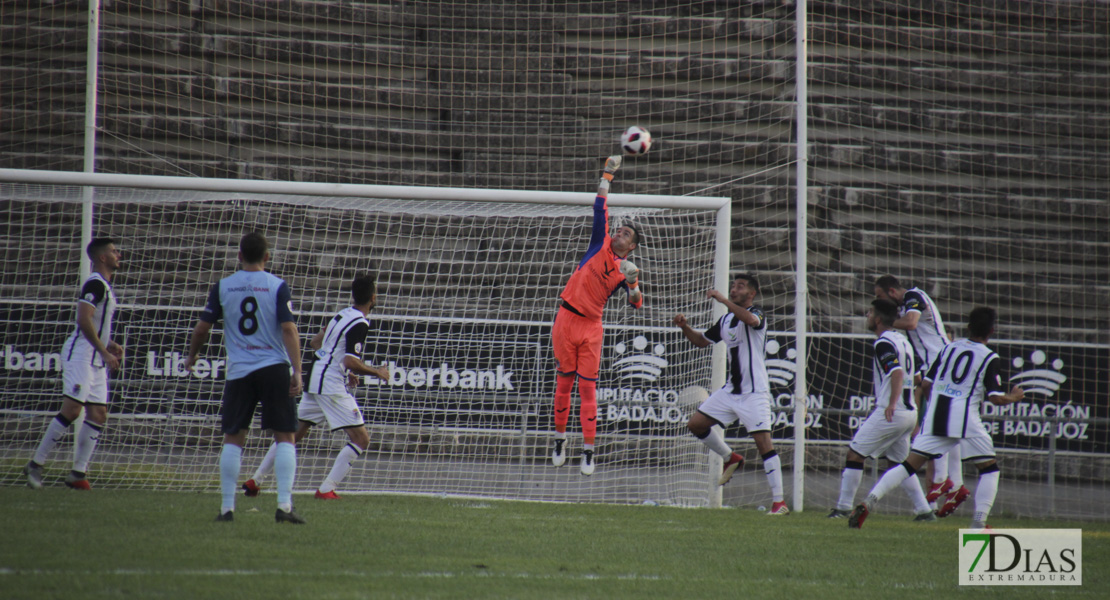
(631, 273)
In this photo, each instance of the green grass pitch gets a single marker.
(58, 543)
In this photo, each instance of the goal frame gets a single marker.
(89, 181)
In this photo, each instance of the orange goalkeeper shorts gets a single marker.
(577, 343)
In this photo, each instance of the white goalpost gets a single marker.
(468, 285)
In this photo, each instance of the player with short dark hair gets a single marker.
(254, 247)
(262, 345)
(87, 356)
(336, 369)
(886, 432)
(920, 318)
(746, 395)
(965, 374)
(577, 332)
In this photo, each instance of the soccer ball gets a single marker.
(635, 140)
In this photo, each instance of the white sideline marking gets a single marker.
(363, 574)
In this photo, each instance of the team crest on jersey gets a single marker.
(358, 348)
(90, 298)
(77, 389)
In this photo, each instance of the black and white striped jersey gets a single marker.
(97, 292)
(892, 352)
(929, 337)
(344, 336)
(747, 358)
(965, 374)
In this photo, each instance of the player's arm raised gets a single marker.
(744, 314)
(696, 338)
(632, 277)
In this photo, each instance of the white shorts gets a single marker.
(752, 410)
(341, 410)
(878, 437)
(974, 449)
(83, 382)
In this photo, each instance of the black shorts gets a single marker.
(268, 386)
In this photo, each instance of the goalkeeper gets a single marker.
(577, 331)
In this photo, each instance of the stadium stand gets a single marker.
(219, 74)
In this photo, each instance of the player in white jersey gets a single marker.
(262, 344)
(337, 368)
(886, 432)
(965, 374)
(920, 318)
(87, 356)
(746, 395)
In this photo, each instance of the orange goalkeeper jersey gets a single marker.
(598, 275)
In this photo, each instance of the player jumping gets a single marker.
(746, 396)
(577, 331)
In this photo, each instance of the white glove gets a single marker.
(613, 163)
(631, 272)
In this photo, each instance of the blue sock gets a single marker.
(285, 469)
(230, 460)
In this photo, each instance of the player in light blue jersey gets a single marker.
(262, 344)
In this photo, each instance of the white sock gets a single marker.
(940, 469)
(54, 433)
(285, 471)
(772, 466)
(231, 458)
(341, 467)
(267, 464)
(890, 480)
(955, 468)
(912, 487)
(85, 444)
(984, 497)
(716, 442)
(850, 478)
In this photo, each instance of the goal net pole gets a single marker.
(801, 274)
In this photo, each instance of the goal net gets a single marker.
(467, 293)
(963, 148)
